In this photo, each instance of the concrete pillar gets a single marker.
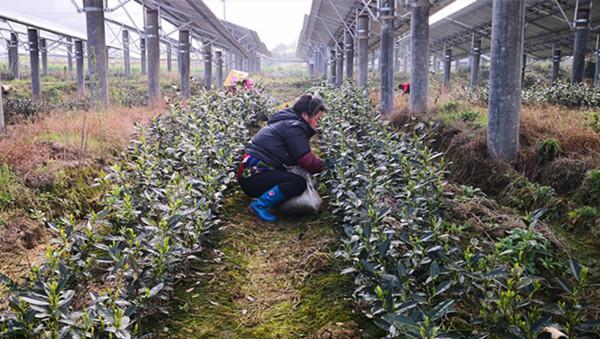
(582, 27)
(363, 49)
(339, 73)
(70, 55)
(386, 58)
(34, 58)
(504, 107)
(372, 68)
(237, 62)
(447, 66)
(349, 48)
(153, 45)
(396, 57)
(207, 64)
(405, 61)
(475, 58)
(184, 62)
(597, 70)
(556, 57)
(332, 67)
(44, 53)
(14, 53)
(219, 78)
(96, 45)
(143, 54)
(419, 44)
(523, 68)
(169, 58)
(126, 55)
(79, 68)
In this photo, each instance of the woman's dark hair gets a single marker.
(310, 105)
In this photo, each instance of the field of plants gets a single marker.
(422, 235)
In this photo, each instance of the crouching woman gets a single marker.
(285, 141)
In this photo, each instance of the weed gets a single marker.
(586, 218)
(548, 149)
(526, 196)
(589, 192)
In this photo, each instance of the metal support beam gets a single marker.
(219, 77)
(184, 62)
(153, 45)
(349, 48)
(582, 27)
(143, 54)
(475, 59)
(126, 55)
(69, 55)
(447, 66)
(79, 68)
(339, 73)
(34, 58)
(44, 53)
(363, 50)
(419, 42)
(556, 58)
(96, 46)
(207, 64)
(504, 106)
(332, 67)
(13, 52)
(386, 59)
(169, 58)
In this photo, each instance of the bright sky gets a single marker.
(275, 21)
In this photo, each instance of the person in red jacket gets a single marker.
(284, 142)
(404, 87)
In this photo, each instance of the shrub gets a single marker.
(563, 93)
(548, 150)
(527, 196)
(468, 116)
(589, 192)
(593, 121)
(450, 107)
(586, 218)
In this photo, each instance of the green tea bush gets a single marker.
(589, 192)
(527, 196)
(416, 278)
(563, 93)
(160, 204)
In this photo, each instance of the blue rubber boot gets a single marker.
(262, 204)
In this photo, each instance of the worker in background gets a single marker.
(282, 143)
(404, 87)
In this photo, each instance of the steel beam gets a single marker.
(79, 68)
(219, 76)
(349, 48)
(69, 55)
(447, 66)
(386, 59)
(504, 106)
(363, 50)
(207, 50)
(556, 58)
(419, 42)
(582, 27)
(184, 62)
(34, 58)
(44, 53)
(153, 46)
(96, 46)
(475, 60)
(126, 55)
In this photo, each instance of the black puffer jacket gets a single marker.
(283, 141)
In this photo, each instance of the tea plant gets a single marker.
(103, 275)
(418, 277)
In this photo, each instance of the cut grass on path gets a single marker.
(263, 280)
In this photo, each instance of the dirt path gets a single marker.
(267, 281)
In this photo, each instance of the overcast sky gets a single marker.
(276, 21)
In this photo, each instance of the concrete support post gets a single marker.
(237, 62)
(79, 68)
(582, 27)
(143, 54)
(14, 53)
(153, 45)
(339, 73)
(332, 67)
(447, 66)
(44, 53)
(70, 55)
(219, 77)
(405, 61)
(34, 58)
(96, 45)
(386, 58)
(556, 58)
(349, 48)
(504, 107)
(207, 64)
(126, 56)
(419, 45)
(396, 57)
(184, 62)
(475, 58)
(363, 50)
(372, 68)
(169, 57)
(523, 68)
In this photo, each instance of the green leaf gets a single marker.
(443, 287)
(575, 268)
(400, 321)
